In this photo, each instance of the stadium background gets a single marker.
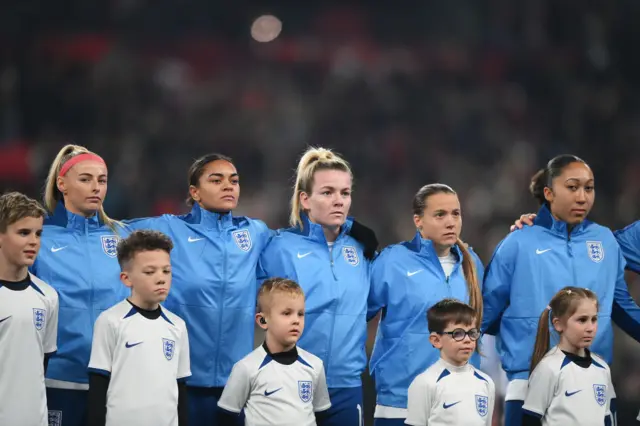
(474, 93)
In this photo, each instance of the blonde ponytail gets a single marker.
(312, 160)
(471, 277)
(52, 194)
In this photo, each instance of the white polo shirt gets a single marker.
(144, 358)
(272, 393)
(561, 392)
(450, 395)
(28, 330)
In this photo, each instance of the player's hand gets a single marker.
(525, 219)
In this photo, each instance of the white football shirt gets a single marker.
(562, 392)
(144, 358)
(28, 330)
(446, 394)
(272, 393)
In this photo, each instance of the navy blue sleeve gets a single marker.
(97, 400)
(46, 361)
(183, 404)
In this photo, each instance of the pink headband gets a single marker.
(77, 159)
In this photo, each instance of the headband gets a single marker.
(87, 156)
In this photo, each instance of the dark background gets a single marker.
(477, 94)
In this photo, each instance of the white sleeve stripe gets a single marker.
(227, 408)
(532, 413)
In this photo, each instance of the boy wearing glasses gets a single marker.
(451, 391)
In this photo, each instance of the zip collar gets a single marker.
(426, 249)
(66, 219)
(558, 227)
(315, 232)
(210, 220)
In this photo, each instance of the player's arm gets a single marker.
(236, 392)
(496, 288)
(419, 403)
(183, 403)
(542, 384)
(378, 292)
(629, 241)
(625, 312)
(50, 344)
(367, 237)
(100, 364)
(184, 371)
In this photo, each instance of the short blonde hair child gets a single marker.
(274, 286)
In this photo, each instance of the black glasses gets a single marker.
(459, 334)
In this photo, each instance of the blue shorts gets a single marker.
(346, 408)
(204, 410)
(67, 407)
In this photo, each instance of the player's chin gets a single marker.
(161, 295)
(28, 259)
(292, 339)
(465, 354)
(227, 204)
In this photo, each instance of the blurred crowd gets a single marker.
(475, 94)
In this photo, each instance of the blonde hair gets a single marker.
(15, 206)
(468, 262)
(52, 194)
(313, 160)
(274, 286)
(562, 306)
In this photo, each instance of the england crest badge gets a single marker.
(482, 405)
(350, 255)
(39, 318)
(600, 393)
(242, 239)
(168, 347)
(595, 250)
(110, 245)
(305, 390)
